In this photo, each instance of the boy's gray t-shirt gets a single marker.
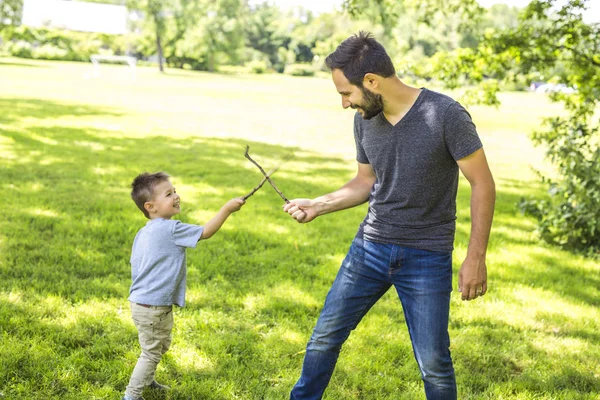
(158, 262)
(413, 200)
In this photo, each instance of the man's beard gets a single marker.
(372, 104)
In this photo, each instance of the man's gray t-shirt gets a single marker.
(413, 201)
(158, 262)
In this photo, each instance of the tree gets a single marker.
(196, 33)
(212, 34)
(264, 33)
(549, 37)
(387, 12)
(156, 12)
(11, 12)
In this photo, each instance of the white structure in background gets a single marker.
(76, 16)
(82, 17)
(97, 58)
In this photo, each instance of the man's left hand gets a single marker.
(472, 278)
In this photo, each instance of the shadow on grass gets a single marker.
(67, 233)
(20, 64)
(16, 109)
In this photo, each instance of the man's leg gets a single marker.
(424, 283)
(360, 282)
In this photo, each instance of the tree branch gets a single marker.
(580, 54)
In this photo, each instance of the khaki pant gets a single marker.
(154, 325)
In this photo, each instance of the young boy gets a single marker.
(158, 270)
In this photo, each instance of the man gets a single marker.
(410, 145)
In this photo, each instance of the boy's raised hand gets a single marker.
(234, 205)
(212, 226)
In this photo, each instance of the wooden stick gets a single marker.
(265, 174)
(260, 184)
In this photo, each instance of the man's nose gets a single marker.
(346, 103)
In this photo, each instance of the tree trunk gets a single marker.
(211, 62)
(159, 48)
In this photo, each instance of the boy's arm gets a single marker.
(212, 226)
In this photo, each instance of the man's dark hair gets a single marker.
(358, 55)
(142, 188)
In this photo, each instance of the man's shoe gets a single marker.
(126, 397)
(157, 386)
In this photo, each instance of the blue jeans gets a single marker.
(423, 280)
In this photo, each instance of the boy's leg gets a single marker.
(423, 280)
(360, 282)
(154, 326)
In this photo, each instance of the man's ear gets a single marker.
(371, 81)
(149, 206)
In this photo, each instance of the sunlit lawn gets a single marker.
(69, 148)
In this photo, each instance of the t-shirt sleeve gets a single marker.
(186, 235)
(361, 156)
(460, 133)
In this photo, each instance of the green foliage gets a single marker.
(201, 33)
(265, 34)
(571, 216)
(20, 49)
(544, 39)
(11, 12)
(383, 12)
(257, 67)
(300, 70)
(49, 52)
(206, 34)
(58, 44)
(114, 2)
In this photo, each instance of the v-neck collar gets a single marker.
(408, 113)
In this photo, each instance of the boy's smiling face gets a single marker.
(165, 202)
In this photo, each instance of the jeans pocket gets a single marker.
(355, 252)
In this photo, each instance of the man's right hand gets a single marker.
(302, 210)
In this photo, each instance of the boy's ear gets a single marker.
(149, 206)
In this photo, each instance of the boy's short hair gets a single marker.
(359, 55)
(142, 188)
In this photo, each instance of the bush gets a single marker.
(299, 70)
(257, 67)
(21, 49)
(233, 69)
(570, 217)
(57, 44)
(50, 52)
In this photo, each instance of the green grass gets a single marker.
(70, 147)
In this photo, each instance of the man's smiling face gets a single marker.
(367, 103)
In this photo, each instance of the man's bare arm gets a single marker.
(472, 278)
(353, 193)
